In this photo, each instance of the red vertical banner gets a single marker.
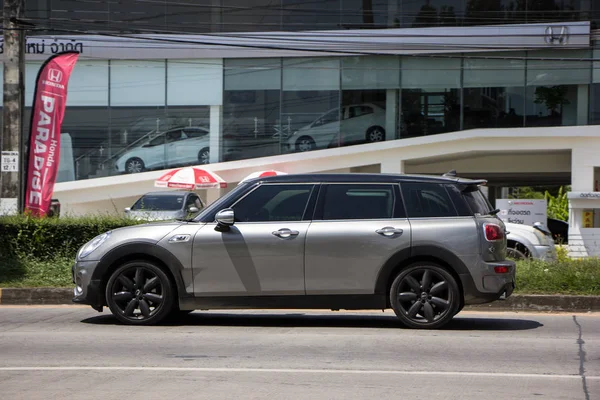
(47, 115)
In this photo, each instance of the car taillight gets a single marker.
(493, 232)
(501, 270)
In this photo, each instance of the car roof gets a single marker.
(367, 178)
(168, 193)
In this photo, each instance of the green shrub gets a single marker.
(37, 249)
(566, 276)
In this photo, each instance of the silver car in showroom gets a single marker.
(424, 246)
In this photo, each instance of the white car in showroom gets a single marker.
(359, 123)
(179, 146)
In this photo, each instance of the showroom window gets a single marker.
(369, 83)
(310, 102)
(252, 125)
(557, 87)
(494, 89)
(430, 95)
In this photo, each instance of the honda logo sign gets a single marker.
(556, 35)
(55, 75)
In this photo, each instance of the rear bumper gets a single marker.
(489, 286)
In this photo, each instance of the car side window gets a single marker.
(427, 200)
(193, 201)
(330, 117)
(273, 203)
(357, 201)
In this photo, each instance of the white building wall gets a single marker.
(584, 241)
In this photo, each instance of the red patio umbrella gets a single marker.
(190, 178)
(262, 174)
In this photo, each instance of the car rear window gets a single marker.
(427, 200)
(477, 201)
(158, 203)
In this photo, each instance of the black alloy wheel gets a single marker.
(425, 296)
(139, 293)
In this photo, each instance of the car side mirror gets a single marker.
(127, 210)
(193, 210)
(225, 218)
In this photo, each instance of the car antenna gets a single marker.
(452, 173)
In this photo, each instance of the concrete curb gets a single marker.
(37, 296)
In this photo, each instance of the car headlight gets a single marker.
(92, 245)
(541, 236)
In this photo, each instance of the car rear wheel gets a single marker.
(305, 143)
(139, 293)
(425, 296)
(134, 165)
(375, 134)
(204, 156)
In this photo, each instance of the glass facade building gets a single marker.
(132, 115)
(206, 16)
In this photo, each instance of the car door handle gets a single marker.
(390, 231)
(285, 233)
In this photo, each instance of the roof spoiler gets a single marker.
(468, 182)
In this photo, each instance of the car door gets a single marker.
(263, 252)
(188, 150)
(356, 229)
(175, 142)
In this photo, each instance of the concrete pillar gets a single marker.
(392, 165)
(583, 160)
(582, 104)
(216, 122)
(391, 113)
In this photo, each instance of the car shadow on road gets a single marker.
(301, 320)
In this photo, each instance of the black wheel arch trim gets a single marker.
(136, 250)
(419, 253)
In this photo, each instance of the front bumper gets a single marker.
(544, 253)
(87, 290)
(489, 286)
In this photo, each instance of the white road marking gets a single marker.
(302, 371)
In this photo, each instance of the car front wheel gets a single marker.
(139, 293)
(425, 296)
(134, 165)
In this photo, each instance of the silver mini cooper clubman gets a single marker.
(424, 246)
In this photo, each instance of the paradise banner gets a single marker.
(47, 115)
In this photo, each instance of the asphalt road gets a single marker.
(73, 352)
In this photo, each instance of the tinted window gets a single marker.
(194, 201)
(273, 203)
(426, 200)
(354, 201)
(477, 201)
(460, 202)
(159, 203)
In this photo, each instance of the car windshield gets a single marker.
(159, 203)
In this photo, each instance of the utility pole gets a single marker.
(13, 162)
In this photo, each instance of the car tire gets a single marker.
(140, 293)
(516, 254)
(204, 156)
(425, 296)
(305, 143)
(375, 134)
(134, 165)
